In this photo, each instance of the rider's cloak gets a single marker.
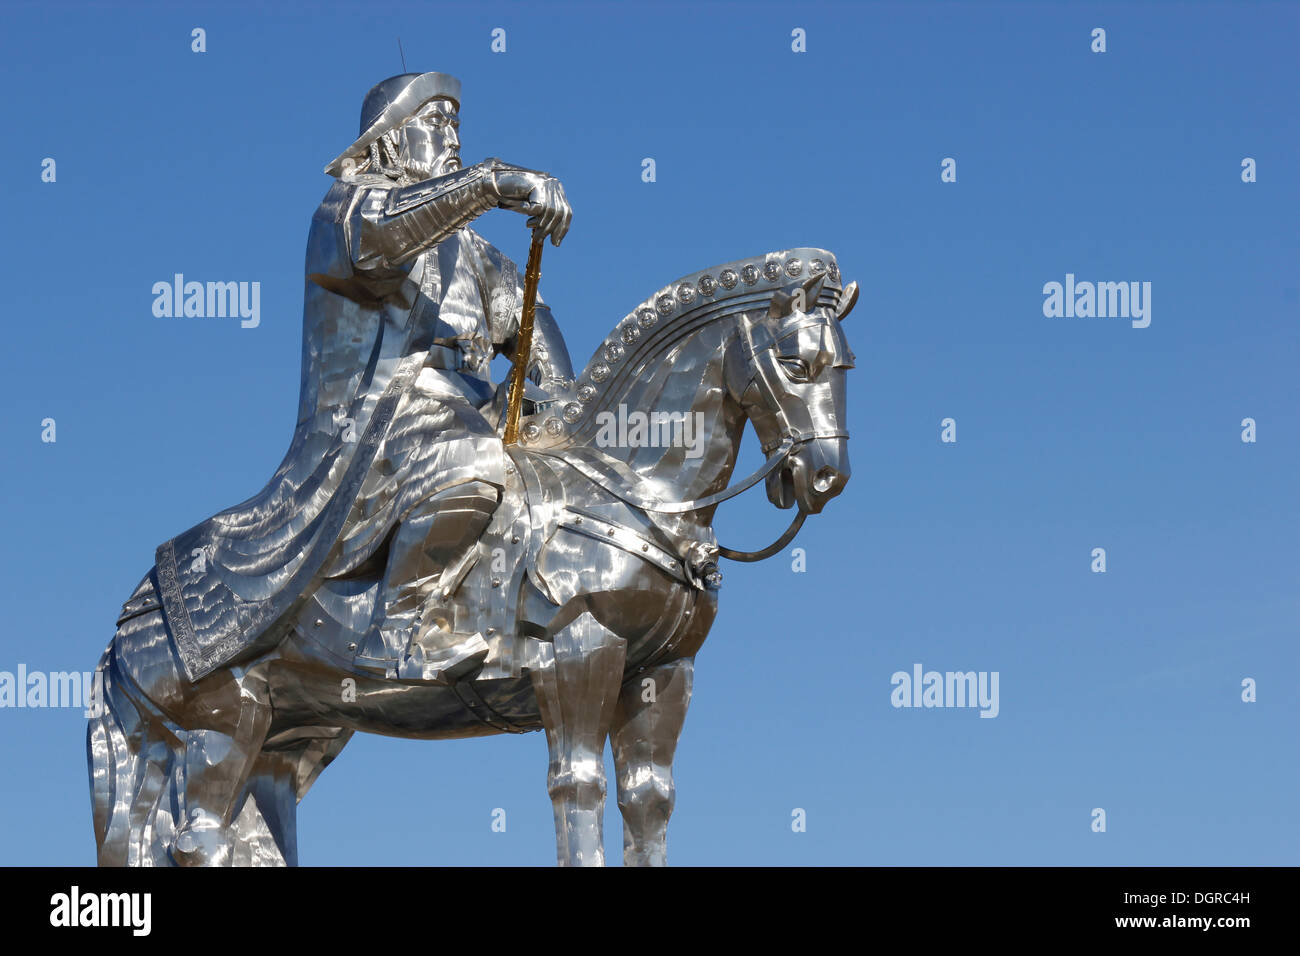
(382, 344)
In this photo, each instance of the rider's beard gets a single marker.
(448, 161)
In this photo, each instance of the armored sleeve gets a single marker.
(390, 227)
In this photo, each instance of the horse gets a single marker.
(587, 597)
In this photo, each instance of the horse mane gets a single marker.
(658, 323)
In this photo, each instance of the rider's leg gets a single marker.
(434, 534)
(439, 475)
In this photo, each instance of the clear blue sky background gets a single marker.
(1118, 690)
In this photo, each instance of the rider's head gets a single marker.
(409, 129)
(427, 144)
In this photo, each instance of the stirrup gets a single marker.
(444, 665)
(381, 650)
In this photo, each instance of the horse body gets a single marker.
(592, 589)
(543, 535)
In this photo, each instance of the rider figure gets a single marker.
(393, 471)
(395, 260)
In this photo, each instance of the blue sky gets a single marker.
(1119, 690)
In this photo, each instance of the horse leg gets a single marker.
(131, 761)
(649, 717)
(267, 826)
(218, 762)
(316, 756)
(577, 688)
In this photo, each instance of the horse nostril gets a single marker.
(824, 479)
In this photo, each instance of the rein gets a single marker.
(627, 477)
(771, 549)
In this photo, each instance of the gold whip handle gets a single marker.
(524, 341)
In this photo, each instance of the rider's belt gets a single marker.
(443, 356)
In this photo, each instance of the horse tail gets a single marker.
(131, 769)
(109, 759)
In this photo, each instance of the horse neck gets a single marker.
(674, 424)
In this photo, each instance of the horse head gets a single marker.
(756, 339)
(786, 370)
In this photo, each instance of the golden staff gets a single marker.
(524, 341)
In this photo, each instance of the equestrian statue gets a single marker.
(439, 556)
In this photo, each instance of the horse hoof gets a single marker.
(201, 843)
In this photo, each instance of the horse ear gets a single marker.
(746, 328)
(848, 299)
(782, 303)
(755, 333)
(812, 289)
(783, 300)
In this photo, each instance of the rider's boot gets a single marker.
(432, 542)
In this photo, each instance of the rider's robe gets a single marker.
(395, 366)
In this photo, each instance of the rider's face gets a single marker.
(431, 141)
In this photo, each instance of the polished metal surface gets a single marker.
(405, 572)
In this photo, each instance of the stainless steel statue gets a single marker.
(406, 572)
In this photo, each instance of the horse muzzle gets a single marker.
(813, 473)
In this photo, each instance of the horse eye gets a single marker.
(796, 369)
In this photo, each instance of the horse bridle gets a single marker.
(777, 454)
(760, 378)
